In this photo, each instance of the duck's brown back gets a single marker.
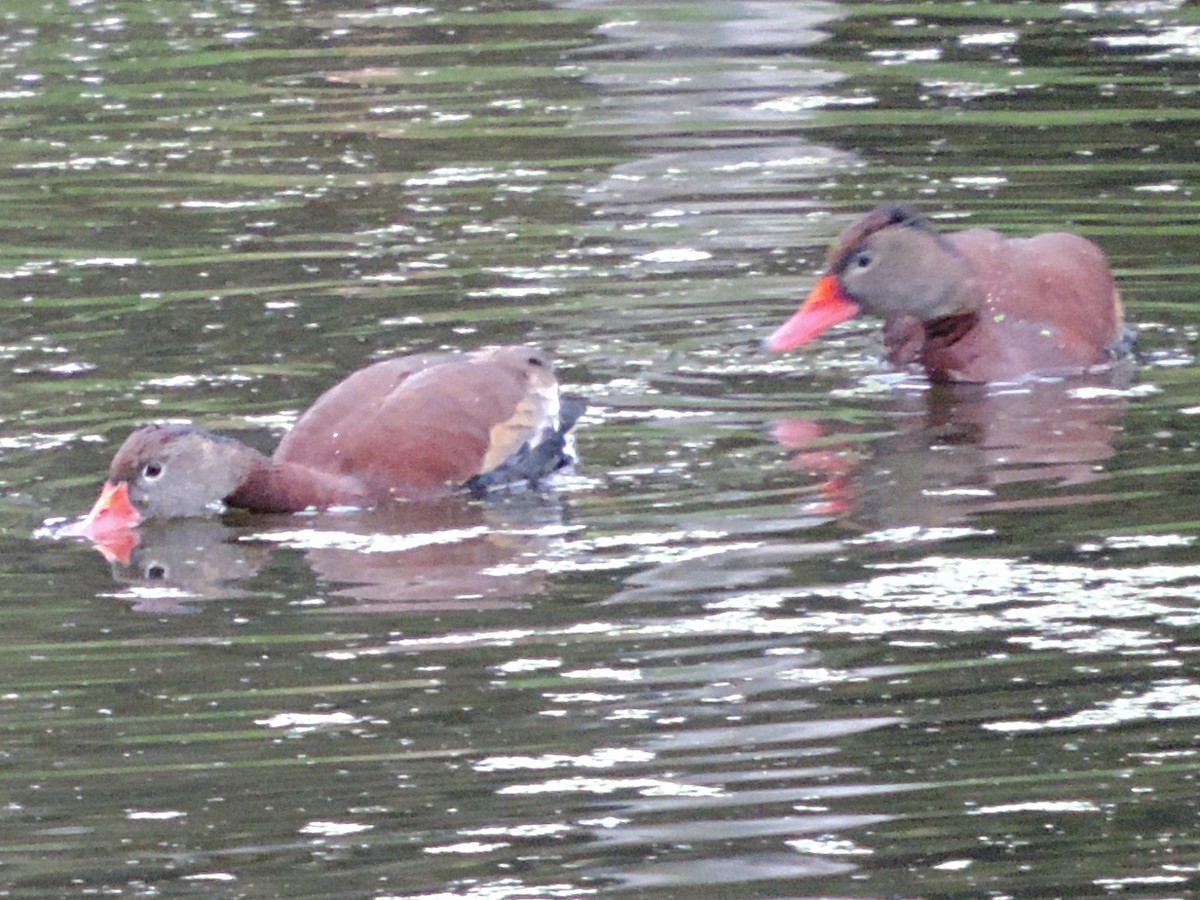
(1048, 303)
(420, 425)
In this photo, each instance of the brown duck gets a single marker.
(414, 427)
(969, 306)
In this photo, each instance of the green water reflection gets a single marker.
(798, 627)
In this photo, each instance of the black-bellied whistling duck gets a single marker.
(413, 427)
(969, 306)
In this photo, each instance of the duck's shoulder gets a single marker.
(1063, 251)
(1050, 305)
(508, 366)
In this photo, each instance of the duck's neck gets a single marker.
(909, 340)
(271, 487)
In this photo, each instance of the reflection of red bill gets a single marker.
(838, 495)
(796, 434)
(110, 523)
(826, 306)
(117, 546)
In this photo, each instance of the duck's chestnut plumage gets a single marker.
(413, 427)
(972, 305)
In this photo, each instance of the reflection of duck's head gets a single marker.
(177, 561)
(968, 306)
(412, 427)
(451, 553)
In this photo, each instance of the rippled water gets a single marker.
(797, 627)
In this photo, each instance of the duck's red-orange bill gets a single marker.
(112, 512)
(826, 306)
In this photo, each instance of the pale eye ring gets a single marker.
(152, 471)
(863, 259)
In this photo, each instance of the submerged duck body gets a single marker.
(414, 427)
(972, 306)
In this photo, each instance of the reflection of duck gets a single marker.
(451, 554)
(947, 462)
(413, 427)
(970, 306)
(169, 564)
(454, 554)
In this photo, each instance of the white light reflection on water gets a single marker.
(1169, 699)
(187, 382)
(513, 293)
(29, 268)
(988, 39)
(827, 846)
(502, 889)
(917, 534)
(903, 57)
(384, 12)
(803, 102)
(1146, 541)
(335, 829)
(1174, 41)
(38, 442)
(602, 758)
(1041, 605)
(527, 665)
(313, 539)
(147, 815)
(139, 595)
(1032, 593)
(300, 723)
(1057, 603)
(466, 174)
(965, 90)
(675, 255)
(643, 787)
(75, 163)
(1038, 806)
(526, 830)
(651, 549)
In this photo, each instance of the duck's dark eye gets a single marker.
(862, 259)
(156, 571)
(152, 471)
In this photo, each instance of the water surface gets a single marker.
(797, 626)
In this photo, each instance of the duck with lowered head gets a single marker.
(414, 427)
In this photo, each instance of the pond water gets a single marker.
(797, 626)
